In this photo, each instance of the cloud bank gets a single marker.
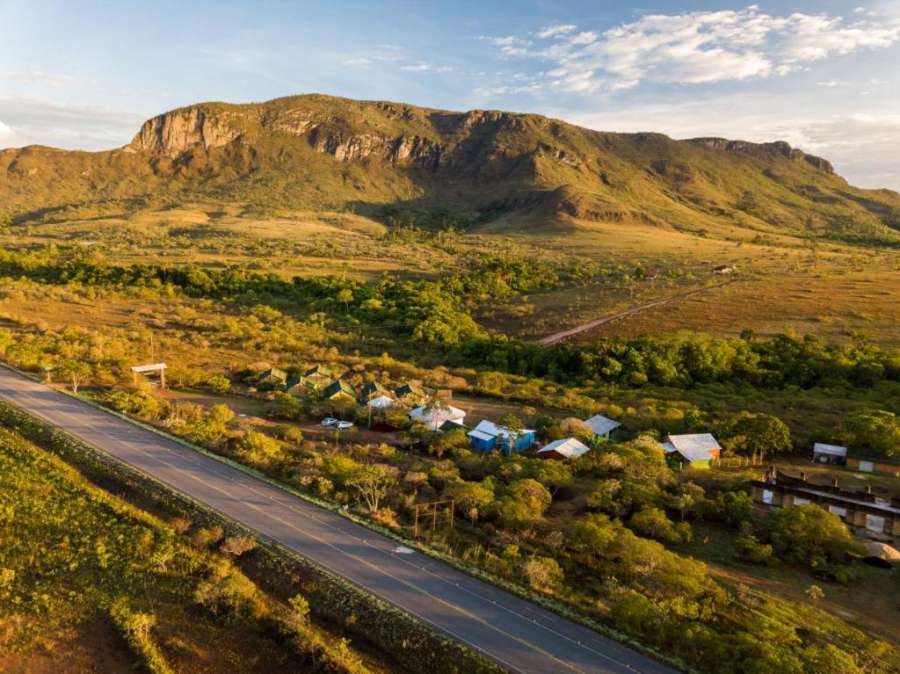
(693, 48)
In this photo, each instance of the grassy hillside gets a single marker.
(476, 170)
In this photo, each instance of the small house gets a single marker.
(338, 389)
(488, 436)
(697, 450)
(602, 426)
(381, 402)
(410, 393)
(830, 454)
(435, 416)
(300, 385)
(319, 374)
(568, 448)
(271, 378)
(371, 390)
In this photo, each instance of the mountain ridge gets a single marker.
(320, 152)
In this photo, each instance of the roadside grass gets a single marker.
(70, 551)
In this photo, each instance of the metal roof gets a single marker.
(834, 450)
(693, 446)
(602, 425)
(568, 447)
(153, 367)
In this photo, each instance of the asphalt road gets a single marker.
(505, 628)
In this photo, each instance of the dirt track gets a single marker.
(563, 335)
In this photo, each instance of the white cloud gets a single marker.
(509, 45)
(695, 47)
(27, 121)
(423, 67)
(555, 30)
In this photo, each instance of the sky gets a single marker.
(824, 76)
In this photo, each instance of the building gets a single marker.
(879, 464)
(435, 416)
(300, 385)
(568, 448)
(381, 402)
(338, 389)
(410, 393)
(271, 378)
(831, 454)
(602, 426)
(696, 449)
(488, 436)
(319, 375)
(371, 390)
(868, 513)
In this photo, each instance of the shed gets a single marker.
(410, 392)
(338, 389)
(488, 436)
(370, 390)
(568, 448)
(832, 454)
(694, 449)
(602, 426)
(272, 378)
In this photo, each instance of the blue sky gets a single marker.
(825, 76)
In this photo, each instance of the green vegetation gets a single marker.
(71, 554)
(328, 236)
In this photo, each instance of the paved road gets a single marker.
(562, 336)
(510, 630)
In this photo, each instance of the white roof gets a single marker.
(834, 450)
(602, 425)
(381, 402)
(480, 436)
(435, 417)
(693, 447)
(149, 368)
(488, 429)
(570, 448)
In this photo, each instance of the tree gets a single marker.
(748, 548)
(512, 422)
(345, 296)
(810, 534)
(653, 523)
(878, 430)
(759, 434)
(76, 371)
(524, 504)
(542, 573)
(219, 383)
(258, 448)
(372, 482)
(472, 498)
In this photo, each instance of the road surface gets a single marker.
(511, 631)
(558, 337)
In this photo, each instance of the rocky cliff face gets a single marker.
(179, 131)
(777, 148)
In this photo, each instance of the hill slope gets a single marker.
(319, 152)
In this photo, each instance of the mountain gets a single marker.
(485, 168)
